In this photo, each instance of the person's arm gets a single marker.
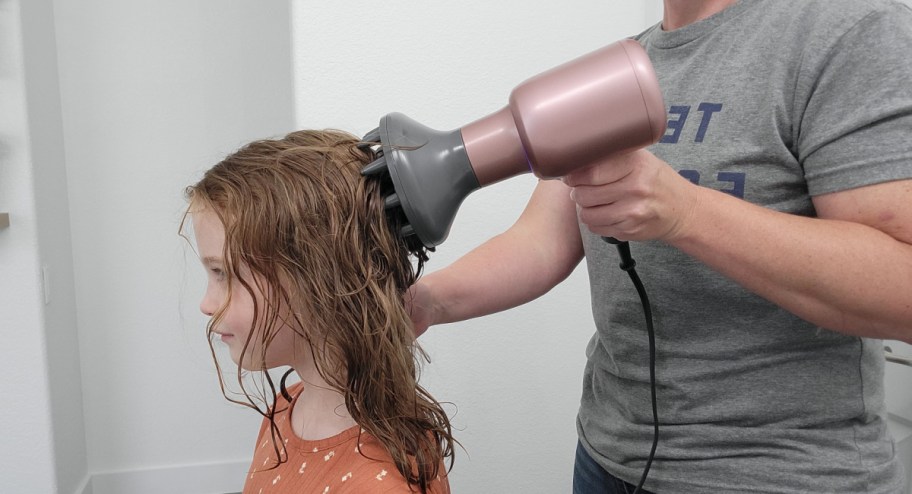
(539, 251)
(849, 270)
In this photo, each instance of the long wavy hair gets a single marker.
(315, 236)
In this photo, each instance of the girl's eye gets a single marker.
(219, 274)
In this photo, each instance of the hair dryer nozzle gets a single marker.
(429, 170)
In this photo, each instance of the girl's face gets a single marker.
(236, 323)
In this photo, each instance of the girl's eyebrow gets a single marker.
(209, 260)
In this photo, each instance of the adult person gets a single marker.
(773, 230)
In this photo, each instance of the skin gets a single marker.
(859, 286)
(679, 13)
(320, 410)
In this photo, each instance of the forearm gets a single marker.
(484, 282)
(840, 275)
(515, 267)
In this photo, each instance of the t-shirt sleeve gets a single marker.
(856, 127)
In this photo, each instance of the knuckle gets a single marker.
(586, 217)
(582, 196)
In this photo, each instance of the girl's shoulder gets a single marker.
(353, 462)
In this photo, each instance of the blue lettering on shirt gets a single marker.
(708, 110)
(675, 126)
(731, 182)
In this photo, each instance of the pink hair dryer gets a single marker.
(602, 104)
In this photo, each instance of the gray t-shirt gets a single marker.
(772, 101)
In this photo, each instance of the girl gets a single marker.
(305, 270)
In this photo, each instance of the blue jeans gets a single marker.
(590, 478)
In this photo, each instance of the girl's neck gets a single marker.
(319, 411)
(680, 13)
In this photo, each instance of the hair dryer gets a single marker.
(602, 104)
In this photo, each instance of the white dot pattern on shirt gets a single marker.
(381, 476)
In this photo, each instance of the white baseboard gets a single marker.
(220, 478)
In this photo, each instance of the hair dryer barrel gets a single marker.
(605, 103)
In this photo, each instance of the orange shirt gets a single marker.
(327, 466)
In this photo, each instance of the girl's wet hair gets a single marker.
(318, 244)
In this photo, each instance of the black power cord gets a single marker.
(628, 264)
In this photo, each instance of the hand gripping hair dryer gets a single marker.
(602, 104)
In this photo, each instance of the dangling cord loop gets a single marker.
(628, 264)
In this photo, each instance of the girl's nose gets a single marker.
(208, 305)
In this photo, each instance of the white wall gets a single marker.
(26, 427)
(898, 383)
(42, 423)
(153, 93)
(515, 377)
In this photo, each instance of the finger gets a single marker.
(601, 173)
(588, 196)
(602, 220)
(612, 169)
(597, 174)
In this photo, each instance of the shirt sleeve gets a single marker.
(856, 125)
